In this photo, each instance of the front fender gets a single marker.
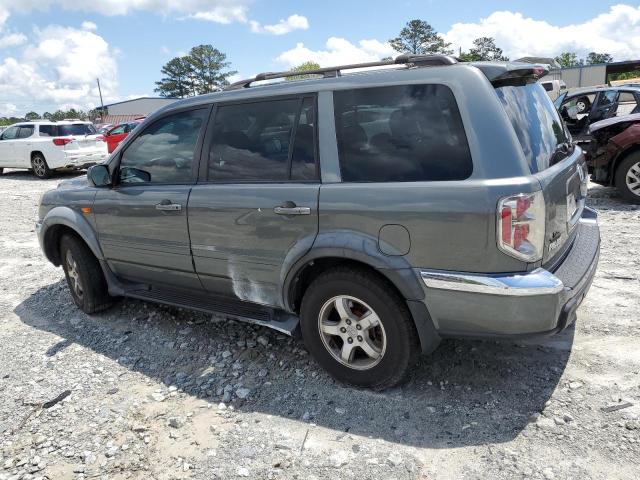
(355, 247)
(63, 216)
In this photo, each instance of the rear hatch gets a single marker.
(553, 159)
(85, 138)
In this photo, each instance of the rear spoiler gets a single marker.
(501, 74)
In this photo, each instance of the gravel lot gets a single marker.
(152, 392)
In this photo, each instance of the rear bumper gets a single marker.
(81, 160)
(522, 304)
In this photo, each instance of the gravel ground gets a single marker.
(143, 391)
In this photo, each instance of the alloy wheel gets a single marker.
(74, 276)
(632, 179)
(39, 167)
(352, 332)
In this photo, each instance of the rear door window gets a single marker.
(25, 131)
(536, 123)
(404, 133)
(264, 141)
(627, 104)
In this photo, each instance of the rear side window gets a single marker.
(271, 140)
(535, 121)
(165, 150)
(405, 133)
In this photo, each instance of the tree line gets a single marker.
(54, 117)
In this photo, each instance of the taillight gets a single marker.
(61, 142)
(521, 220)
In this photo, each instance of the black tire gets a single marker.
(39, 166)
(584, 101)
(84, 276)
(401, 346)
(629, 168)
(1, 170)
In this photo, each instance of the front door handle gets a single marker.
(290, 208)
(168, 206)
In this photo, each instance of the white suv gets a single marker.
(47, 146)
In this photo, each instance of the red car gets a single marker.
(118, 133)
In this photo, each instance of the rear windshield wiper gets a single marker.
(562, 151)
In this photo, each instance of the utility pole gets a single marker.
(101, 103)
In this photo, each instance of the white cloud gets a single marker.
(12, 40)
(338, 51)
(220, 11)
(60, 67)
(7, 109)
(293, 22)
(89, 26)
(616, 32)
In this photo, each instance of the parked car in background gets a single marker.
(46, 146)
(376, 212)
(117, 134)
(579, 109)
(103, 128)
(554, 88)
(614, 154)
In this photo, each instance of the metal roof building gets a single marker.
(130, 109)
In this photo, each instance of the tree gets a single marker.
(597, 58)
(419, 38)
(310, 65)
(568, 59)
(177, 78)
(207, 69)
(47, 115)
(484, 48)
(32, 116)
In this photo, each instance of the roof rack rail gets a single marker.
(332, 72)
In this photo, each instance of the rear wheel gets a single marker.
(39, 166)
(358, 328)
(627, 179)
(84, 276)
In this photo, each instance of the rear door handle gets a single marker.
(167, 206)
(290, 208)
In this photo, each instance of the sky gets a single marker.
(51, 51)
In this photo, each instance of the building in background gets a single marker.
(131, 109)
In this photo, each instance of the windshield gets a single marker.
(76, 129)
(535, 121)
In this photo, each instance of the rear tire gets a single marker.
(358, 328)
(84, 276)
(583, 104)
(40, 167)
(627, 179)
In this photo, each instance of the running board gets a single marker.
(279, 320)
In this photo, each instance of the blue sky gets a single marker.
(44, 65)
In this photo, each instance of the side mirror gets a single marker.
(99, 176)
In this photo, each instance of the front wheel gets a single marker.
(358, 328)
(40, 167)
(84, 276)
(627, 179)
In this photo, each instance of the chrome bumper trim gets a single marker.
(537, 282)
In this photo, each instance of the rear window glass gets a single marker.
(535, 121)
(67, 130)
(76, 129)
(404, 133)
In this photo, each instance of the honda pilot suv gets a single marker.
(375, 212)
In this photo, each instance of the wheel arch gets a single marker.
(362, 252)
(61, 220)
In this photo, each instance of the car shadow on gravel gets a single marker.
(27, 176)
(466, 393)
(603, 198)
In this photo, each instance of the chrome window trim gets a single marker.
(537, 282)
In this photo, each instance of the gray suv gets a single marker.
(375, 212)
